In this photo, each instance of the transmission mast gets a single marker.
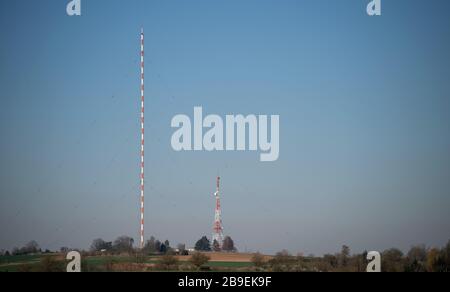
(218, 228)
(142, 144)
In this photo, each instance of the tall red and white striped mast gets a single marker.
(218, 227)
(142, 143)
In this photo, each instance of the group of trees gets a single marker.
(99, 245)
(418, 259)
(125, 244)
(122, 244)
(154, 245)
(4, 253)
(203, 244)
(31, 247)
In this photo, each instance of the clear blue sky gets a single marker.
(364, 105)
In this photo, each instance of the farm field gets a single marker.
(56, 262)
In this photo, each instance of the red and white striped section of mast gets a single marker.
(218, 228)
(142, 144)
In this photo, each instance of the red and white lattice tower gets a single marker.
(142, 144)
(218, 227)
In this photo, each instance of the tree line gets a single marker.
(125, 244)
(203, 244)
(31, 247)
(418, 259)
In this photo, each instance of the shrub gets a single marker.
(199, 259)
(258, 260)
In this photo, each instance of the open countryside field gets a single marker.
(56, 262)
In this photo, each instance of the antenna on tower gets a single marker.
(142, 143)
(218, 227)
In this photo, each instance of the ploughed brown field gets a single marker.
(227, 257)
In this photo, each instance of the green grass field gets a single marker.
(100, 263)
(15, 263)
(19, 259)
